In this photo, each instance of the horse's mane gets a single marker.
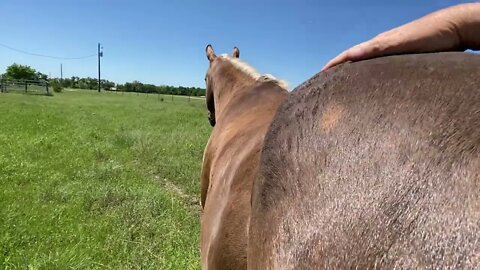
(252, 72)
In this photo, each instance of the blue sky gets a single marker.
(163, 42)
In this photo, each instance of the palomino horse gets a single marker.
(241, 106)
(374, 164)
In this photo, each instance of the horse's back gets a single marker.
(373, 164)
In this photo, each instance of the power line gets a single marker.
(47, 56)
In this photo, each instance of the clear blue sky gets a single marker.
(163, 42)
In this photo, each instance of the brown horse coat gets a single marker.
(374, 164)
(242, 105)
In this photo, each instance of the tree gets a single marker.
(107, 85)
(41, 76)
(20, 72)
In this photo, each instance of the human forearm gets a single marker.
(451, 29)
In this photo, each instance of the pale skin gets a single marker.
(456, 28)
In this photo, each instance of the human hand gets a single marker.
(451, 29)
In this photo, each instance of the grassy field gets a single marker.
(100, 181)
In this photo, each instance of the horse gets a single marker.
(373, 164)
(241, 105)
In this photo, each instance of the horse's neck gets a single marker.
(232, 88)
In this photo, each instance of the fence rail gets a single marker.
(27, 86)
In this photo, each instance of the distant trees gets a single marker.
(41, 76)
(86, 83)
(20, 72)
(135, 86)
(107, 85)
(23, 72)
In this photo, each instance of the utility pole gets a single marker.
(61, 72)
(100, 54)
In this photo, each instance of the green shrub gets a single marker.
(56, 85)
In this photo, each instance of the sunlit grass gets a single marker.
(83, 176)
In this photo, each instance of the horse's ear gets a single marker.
(210, 53)
(236, 52)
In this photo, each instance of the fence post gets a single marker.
(26, 86)
(46, 85)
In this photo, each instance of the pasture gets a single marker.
(100, 181)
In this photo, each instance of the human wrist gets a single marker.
(466, 18)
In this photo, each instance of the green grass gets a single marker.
(86, 181)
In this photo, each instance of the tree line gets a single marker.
(21, 72)
(135, 86)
